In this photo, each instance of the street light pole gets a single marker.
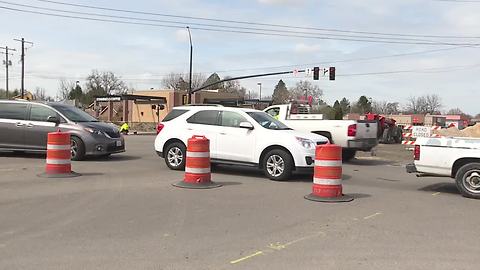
(260, 94)
(190, 75)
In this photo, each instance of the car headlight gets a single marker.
(94, 131)
(305, 143)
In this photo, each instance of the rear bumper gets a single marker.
(411, 168)
(363, 144)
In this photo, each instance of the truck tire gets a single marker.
(468, 180)
(277, 165)
(348, 154)
(175, 156)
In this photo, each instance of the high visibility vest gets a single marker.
(124, 127)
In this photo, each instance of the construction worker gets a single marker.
(124, 128)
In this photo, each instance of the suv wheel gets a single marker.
(77, 148)
(468, 180)
(278, 165)
(175, 154)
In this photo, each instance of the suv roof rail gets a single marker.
(210, 105)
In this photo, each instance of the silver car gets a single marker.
(24, 126)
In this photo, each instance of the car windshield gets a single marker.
(74, 114)
(267, 121)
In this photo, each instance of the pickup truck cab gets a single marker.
(351, 135)
(458, 158)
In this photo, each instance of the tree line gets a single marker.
(100, 83)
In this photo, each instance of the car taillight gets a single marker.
(416, 152)
(352, 130)
(159, 127)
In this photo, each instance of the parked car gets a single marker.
(238, 137)
(24, 126)
(457, 158)
(351, 135)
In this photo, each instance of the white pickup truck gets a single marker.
(351, 135)
(457, 158)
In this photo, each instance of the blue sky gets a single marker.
(141, 55)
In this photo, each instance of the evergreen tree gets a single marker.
(338, 113)
(212, 79)
(280, 93)
(345, 105)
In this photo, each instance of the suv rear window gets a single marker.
(173, 114)
(13, 111)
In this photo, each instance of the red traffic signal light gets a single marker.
(331, 73)
(316, 73)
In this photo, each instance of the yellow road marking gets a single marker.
(371, 216)
(277, 246)
(247, 257)
(436, 193)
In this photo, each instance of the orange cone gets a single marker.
(197, 165)
(327, 178)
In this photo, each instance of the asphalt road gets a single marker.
(123, 213)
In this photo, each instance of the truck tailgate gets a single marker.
(366, 130)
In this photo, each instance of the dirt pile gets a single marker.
(473, 131)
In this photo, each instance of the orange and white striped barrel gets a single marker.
(58, 156)
(197, 164)
(327, 176)
(58, 153)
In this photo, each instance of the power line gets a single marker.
(458, 1)
(425, 70)
(183, 23)
(245, 32)
(252, 23)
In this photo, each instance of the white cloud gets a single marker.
(181, 35)
(281, 2)
(306, 48)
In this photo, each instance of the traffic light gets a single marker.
(316, 73)
(331, 73)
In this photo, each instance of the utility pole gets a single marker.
(191, 56)
(23, 41)
(7, 63)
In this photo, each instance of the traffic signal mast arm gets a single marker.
(316, 70)
(245, 77)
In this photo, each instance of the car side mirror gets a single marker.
(246, 125)
(54, 119)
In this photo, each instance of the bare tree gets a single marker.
(179, 82)
(64, 89)
(40, 94)
(424, 104)
(416, 105)
(433, 104)
(105, 83)
(306, 87)
(385, 107)
(455, 111)
(380, 107)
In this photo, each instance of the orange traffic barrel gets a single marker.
(197, 165)
(58, 156)
(327, 177)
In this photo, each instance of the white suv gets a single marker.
(237, 137)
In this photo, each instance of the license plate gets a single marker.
(119, 143)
